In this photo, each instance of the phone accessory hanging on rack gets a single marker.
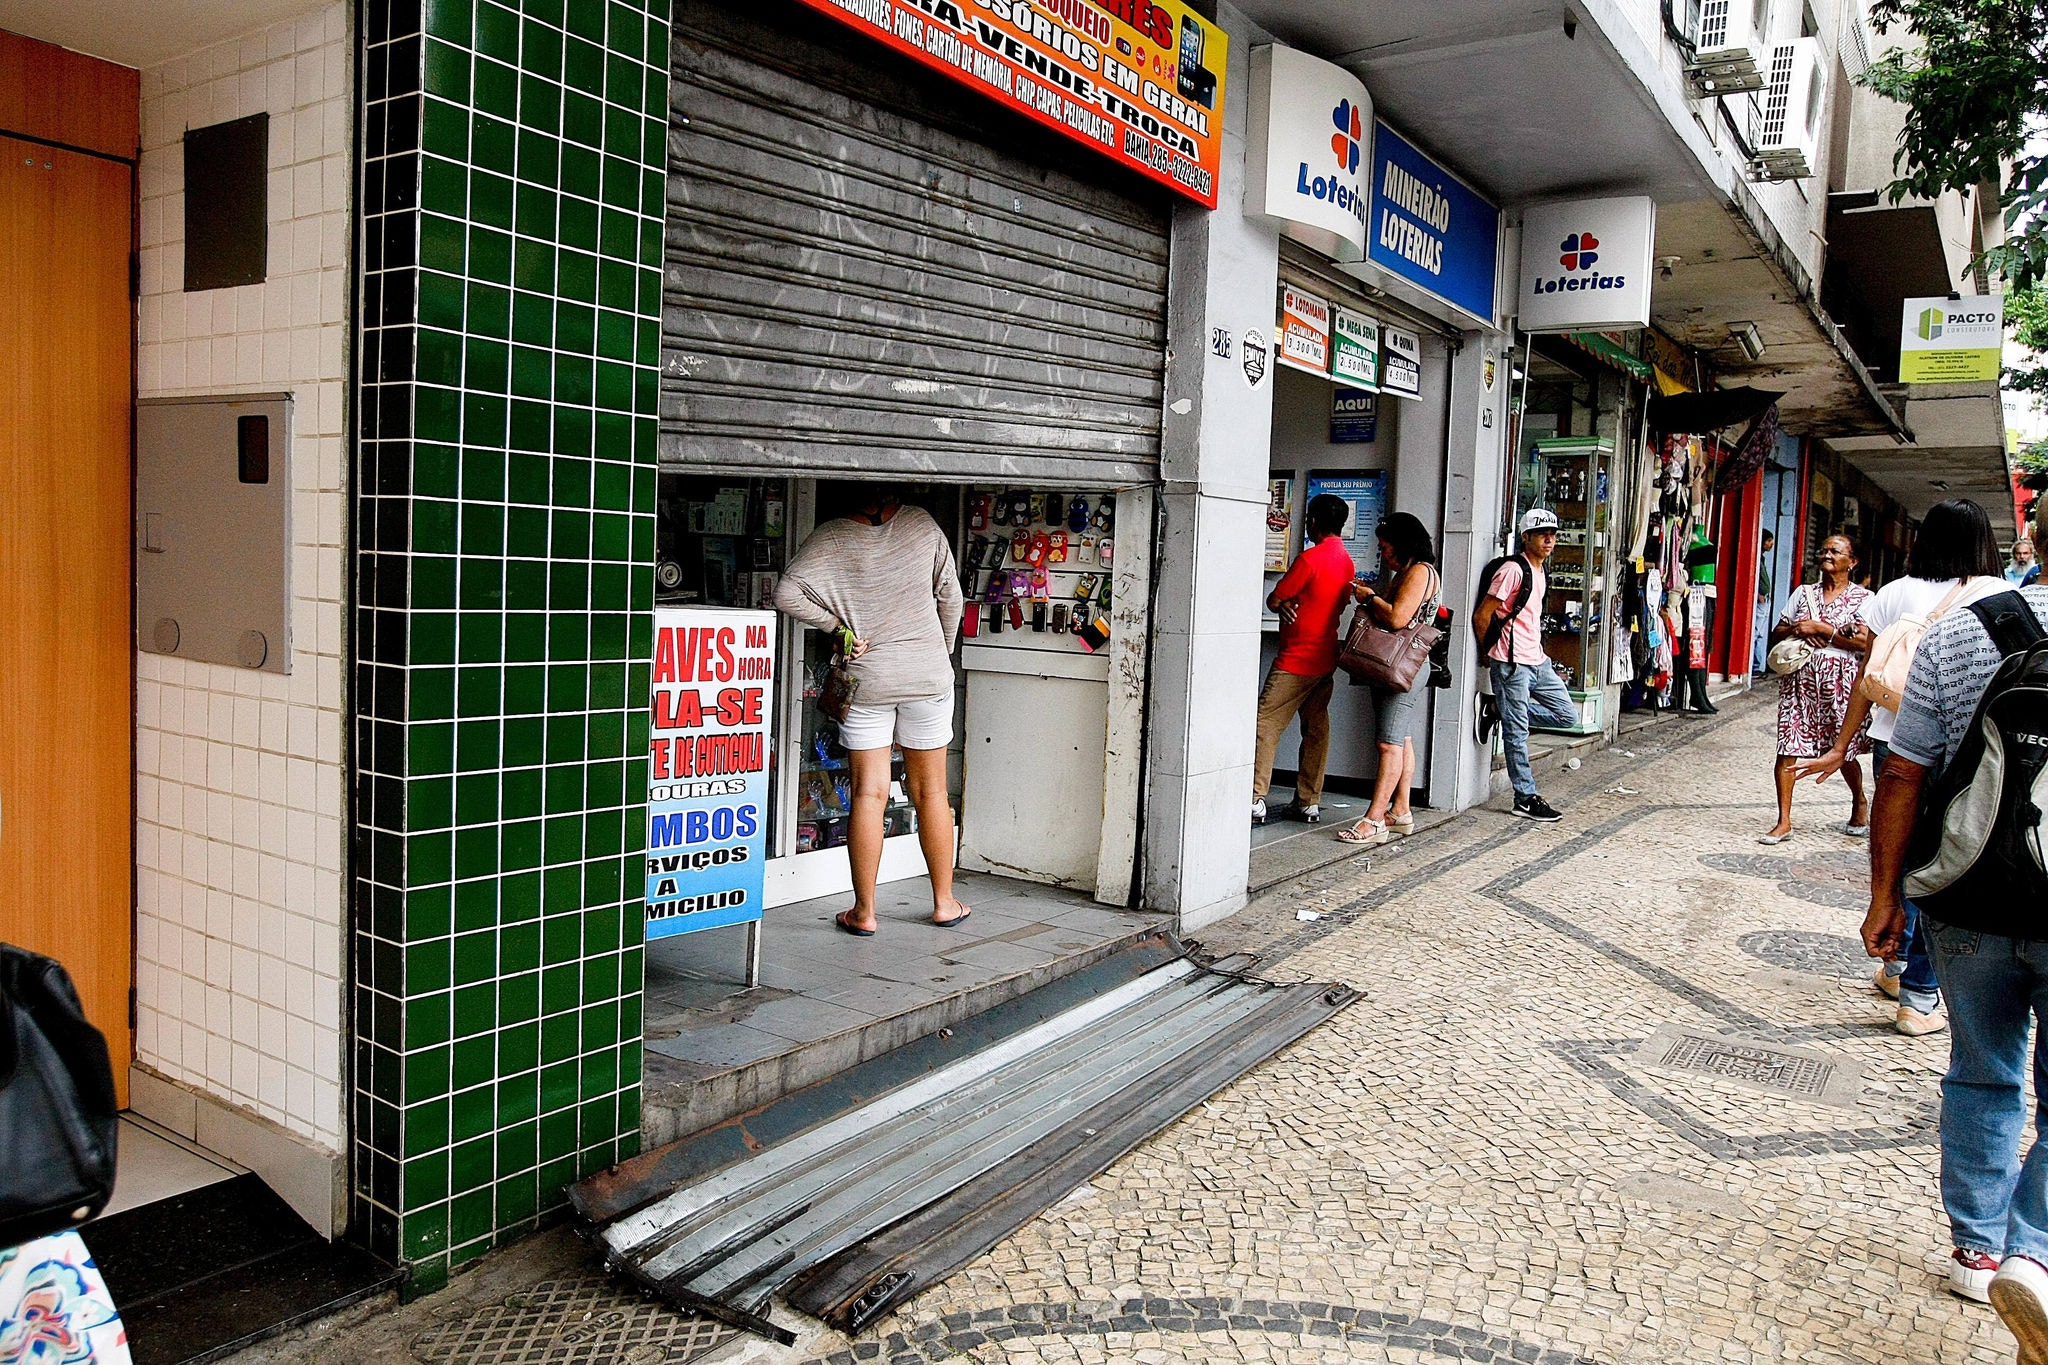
(1057, 551)
(1105, 512)
(1105, 552)
(1040, 547)
(1077, 514)
(1085, 589)
(977, 515)
(1020, 544)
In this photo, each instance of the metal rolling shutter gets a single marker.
(851, 288)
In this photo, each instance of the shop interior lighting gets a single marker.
(1748, 338)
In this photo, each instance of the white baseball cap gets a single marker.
(1538, 519)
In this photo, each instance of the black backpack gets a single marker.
(1494, 628)
(1975, 859)
(57, 1117)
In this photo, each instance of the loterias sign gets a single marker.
(1429, 228)
(1139, 80)
(1308, 150)
(1586, 264)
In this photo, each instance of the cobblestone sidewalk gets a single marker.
(1620, 1092)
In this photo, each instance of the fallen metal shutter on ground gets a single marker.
(850, 288)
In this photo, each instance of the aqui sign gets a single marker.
(707, 770)
(1308, 150)
(1951, 341)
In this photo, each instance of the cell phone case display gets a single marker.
(824, 784)
(1570, 476)
(720, 541)
(1036, 568)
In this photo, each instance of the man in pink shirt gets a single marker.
(1309, 599)
(1511, 618)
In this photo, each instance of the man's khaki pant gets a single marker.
(1283, 696)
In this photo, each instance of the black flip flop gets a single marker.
(958, 919)
(840, 920)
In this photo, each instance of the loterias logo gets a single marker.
(1340, 189)
(1345, 142)
(1578, 253)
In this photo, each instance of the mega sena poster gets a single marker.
(1141, 80)
(707, 770)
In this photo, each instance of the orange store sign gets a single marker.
(1140, 80)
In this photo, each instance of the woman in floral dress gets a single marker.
(54, 1307)
(1813, 702)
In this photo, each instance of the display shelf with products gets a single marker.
(720, 542)
(1036, 567)
(1570, 476)
(824, 773)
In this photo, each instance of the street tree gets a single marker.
(1976, 105)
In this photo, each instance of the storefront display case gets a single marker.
(1571, 475)
(724, 542)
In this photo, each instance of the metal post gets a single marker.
(753, 953)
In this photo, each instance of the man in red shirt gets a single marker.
(1309, 599)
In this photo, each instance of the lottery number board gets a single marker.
(707, 771)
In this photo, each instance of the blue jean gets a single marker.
(1525, 692)
(1995, 1202)
(1918, 987)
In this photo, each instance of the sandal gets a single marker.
(840, 920)
(1402, 824)
(1366, 831)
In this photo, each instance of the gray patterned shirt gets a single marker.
(1951, 669)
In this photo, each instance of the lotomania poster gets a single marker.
(707, 771)
(1141, 81)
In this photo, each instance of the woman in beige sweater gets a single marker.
(884, 580)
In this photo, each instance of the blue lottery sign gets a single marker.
(707, 770)
(1429, 229)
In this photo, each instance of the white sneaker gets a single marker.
(1259, 811)
(1886, 981)
(1970, 1274)
(1914, 1024)
(2019, 1291)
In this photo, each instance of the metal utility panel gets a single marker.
(213, 529)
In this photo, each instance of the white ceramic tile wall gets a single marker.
(239, 786)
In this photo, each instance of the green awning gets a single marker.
(1603, 347)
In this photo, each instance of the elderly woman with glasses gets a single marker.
(1814, 699)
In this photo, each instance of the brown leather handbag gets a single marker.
(1388, 659)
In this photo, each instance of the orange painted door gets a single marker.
(66, 658)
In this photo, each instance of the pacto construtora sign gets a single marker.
(1951, 341)
(707, 770)
(1139, 80)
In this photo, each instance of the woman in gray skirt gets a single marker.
(1413, 590)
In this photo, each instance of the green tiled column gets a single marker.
(512, 202)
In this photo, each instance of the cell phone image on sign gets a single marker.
(707, 770)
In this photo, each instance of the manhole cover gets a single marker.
(1795, 950)
(1753, 1065)
(586, 1320)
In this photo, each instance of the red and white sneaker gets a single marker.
(2019, 1291)
(1970, 1274)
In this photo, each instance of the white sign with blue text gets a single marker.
(1429, 228)
(1586, 264)
(707, 770)
(1308, 150)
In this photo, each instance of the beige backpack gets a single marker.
(1891, 653)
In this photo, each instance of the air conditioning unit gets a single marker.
(1784, 126)
(1725, 59)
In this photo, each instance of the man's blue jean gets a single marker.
(1918, 987)
(1993, 984)
(1527, 692)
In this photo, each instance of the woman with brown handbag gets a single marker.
(1408, 564)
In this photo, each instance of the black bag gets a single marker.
(1499, 624)
(1440, 654)
(1975, 857)
(57, 1115)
